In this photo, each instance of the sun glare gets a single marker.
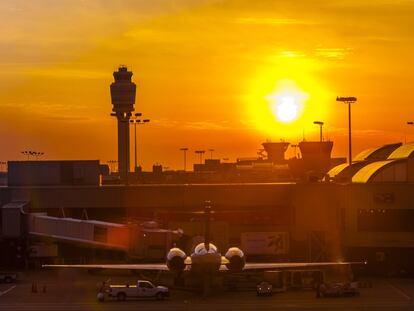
(285, 107)
(284, 102)
(287, 102)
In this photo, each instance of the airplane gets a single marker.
(205, 259)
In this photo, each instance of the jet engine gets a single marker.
(175, 259)
(236, 259)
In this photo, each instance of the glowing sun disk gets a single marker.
(286, 110)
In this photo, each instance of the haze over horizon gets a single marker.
(209, 74)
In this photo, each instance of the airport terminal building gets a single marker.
(359, 211)
(310, 207)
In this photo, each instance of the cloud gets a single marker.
(77, 73)
(343, 131)
(209, 125)
(66, 118)
(270, 21)
(205, 125)
(291, 54)
(333, 53)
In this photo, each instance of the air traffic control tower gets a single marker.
(123, 99)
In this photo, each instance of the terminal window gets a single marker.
(385, 220)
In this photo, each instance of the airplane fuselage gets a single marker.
(205, 259)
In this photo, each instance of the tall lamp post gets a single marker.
(211, 153)
(348, 101)
(320, 123)
(184, 150)
(136, 121)
(30, 153)
(410, 123)
(200, 153)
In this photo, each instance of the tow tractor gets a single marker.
(264, 289)
(339, 289)
(142, 289)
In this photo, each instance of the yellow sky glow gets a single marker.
(209, 73)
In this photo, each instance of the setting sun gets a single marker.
(285, 107)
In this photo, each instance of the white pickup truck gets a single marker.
(143, 289)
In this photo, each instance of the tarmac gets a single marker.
(73, 290)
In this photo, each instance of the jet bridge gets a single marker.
(92, 232)
(139, 240)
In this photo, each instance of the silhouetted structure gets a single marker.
(276, 151)
(55, 173)
(316, 157)
(123, 99)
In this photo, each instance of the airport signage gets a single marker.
(265, 243)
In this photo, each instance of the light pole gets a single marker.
(200, 153)
(411, 123)
(320, 123)
(26, 153)
(38, 154)
(184, 150)
(136, 121)
(348, 101)
(30, 153)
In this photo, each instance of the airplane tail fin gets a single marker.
(207, 212)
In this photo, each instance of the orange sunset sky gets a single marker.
(209, 74)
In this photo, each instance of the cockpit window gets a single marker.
(201, 249)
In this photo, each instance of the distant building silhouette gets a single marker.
(276, 151)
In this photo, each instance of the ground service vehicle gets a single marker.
(264, 289)
(339, 289)
(143, 289)
(7, 277)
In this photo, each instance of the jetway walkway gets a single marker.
(94, 233)
(139, 239)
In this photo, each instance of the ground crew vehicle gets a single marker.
(339, 289)
(7, 277)
(143, 289)
(264, 289)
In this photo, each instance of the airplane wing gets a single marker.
(290, 265)
(143, 266)
(152, 267)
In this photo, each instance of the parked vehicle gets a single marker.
(8, 277)
(264, 289)
(339, 289)
(143, 289)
